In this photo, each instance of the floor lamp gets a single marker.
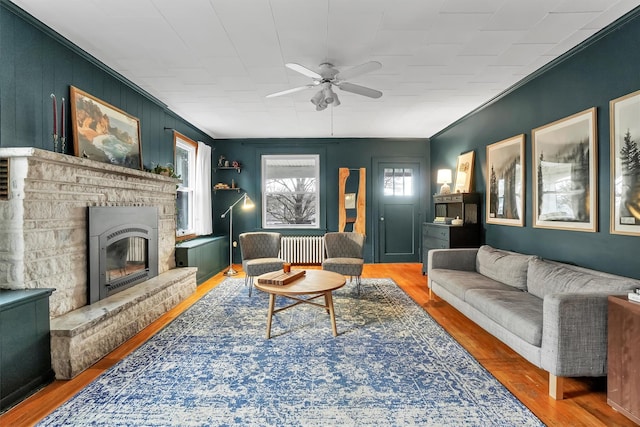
(246, 204)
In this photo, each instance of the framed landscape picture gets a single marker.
(464, 173)
(103, 132)
(625, 164)
(505, 182)
(565, 173)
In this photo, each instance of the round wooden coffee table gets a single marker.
(314, 284)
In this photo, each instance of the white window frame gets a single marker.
(399, 184)
(316, 159)
(191, 147)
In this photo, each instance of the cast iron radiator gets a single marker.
(302, 249)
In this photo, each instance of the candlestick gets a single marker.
(55, 117)
(62, 124)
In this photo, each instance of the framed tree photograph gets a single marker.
(565, 173)
(625, 164)
(505, 182)
(464, 173)
(103, 132)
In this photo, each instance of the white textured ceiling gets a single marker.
(213, 61)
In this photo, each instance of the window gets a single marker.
(185, 152)
(398, 182)
(290, 191)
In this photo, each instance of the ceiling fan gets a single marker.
(326, 77)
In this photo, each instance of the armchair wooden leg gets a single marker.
(556, 387)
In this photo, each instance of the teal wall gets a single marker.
(592, 76)
(35, 62)
(334, 154)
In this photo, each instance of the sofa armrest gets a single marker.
(452, 259)
(574, 337)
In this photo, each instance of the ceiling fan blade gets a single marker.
(360, 90)
(303, 70)
(367, 67)
(288, 91)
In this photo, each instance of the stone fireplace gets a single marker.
(44, 240)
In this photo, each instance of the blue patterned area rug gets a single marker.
(391, 364)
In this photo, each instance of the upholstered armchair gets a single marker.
(345, 254)
(260, 251)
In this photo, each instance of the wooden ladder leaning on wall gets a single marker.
(359, 224)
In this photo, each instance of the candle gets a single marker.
(62, 119)
(55, 117)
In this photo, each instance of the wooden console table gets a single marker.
(623, 364)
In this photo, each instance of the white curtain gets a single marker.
(203, 220)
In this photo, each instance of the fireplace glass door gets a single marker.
(126, 257)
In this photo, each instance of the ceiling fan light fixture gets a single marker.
(321, 106)
(328, 95)
(326, 78)
(336, 100)
(317, 98)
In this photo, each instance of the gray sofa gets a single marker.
(552, 314)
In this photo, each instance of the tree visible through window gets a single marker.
(398, 182)
(290, 189)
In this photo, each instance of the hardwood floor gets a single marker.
(585, 403)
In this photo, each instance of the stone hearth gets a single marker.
(43, 244)
(82, 337)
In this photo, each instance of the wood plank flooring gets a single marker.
(585, 403)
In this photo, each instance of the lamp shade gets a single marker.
(248, 203)
(444, 176)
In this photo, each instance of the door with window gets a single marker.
(398, 211)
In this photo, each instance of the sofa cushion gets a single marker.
(459, 282)
(507, 267)
(258, 266)
(518, 312)
(545, 277)
(344, 266)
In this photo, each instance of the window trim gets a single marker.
(392, 192)
(318, 215)
(191, 146)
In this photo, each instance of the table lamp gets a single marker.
(444, 178)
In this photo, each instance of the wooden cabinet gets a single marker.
(623, 357)
(465, 206)
(25, 344)
(443, 236)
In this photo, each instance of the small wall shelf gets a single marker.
(238, 169)
(238, 189)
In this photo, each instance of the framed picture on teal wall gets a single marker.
(103, 132)
(565, 173)
(505, 182)
(464, 173)
(625, 164)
